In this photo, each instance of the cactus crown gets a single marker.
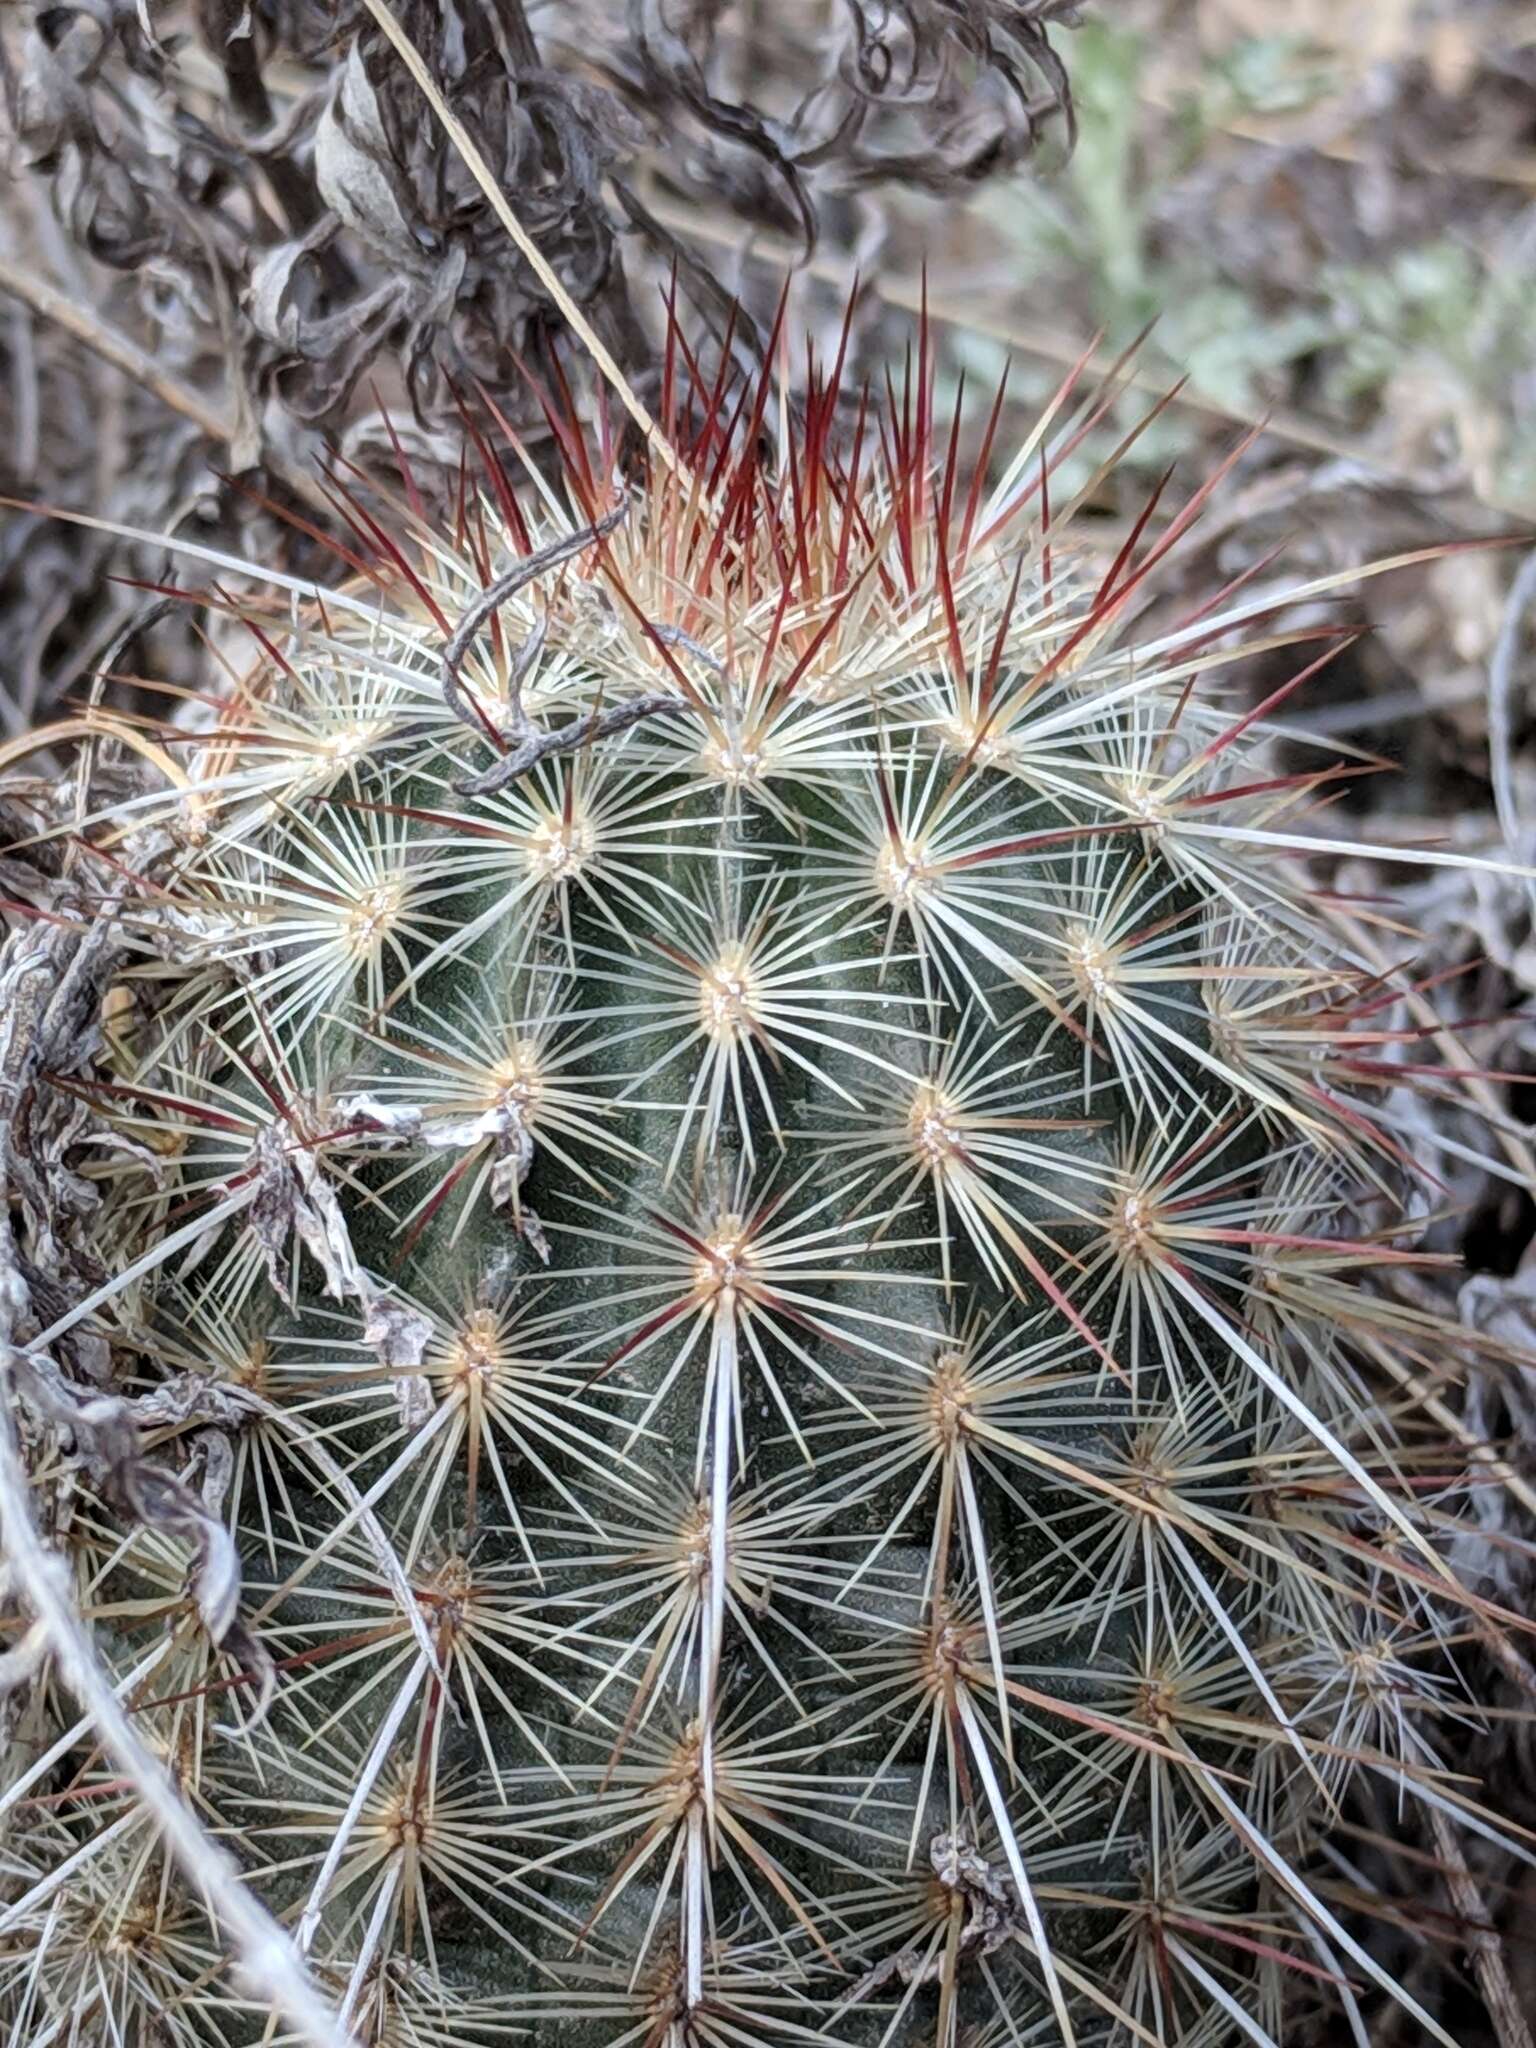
(735, 1155)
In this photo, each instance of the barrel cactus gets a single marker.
(717, 1369)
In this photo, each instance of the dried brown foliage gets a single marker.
(282, 196)
(253, 206)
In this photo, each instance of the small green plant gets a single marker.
(735, 1165)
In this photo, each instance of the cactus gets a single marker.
(736, 1386)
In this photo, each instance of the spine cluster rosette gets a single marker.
(746, 1189)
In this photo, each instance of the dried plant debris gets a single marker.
(286, 202)
(250, 204)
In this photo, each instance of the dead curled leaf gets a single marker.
(104, 1435)
(994, 1916)
(503, 1127)
(359, 177)
(287, 1195)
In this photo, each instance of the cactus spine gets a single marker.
(732, 1156)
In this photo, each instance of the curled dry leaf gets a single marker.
(103, 1434)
